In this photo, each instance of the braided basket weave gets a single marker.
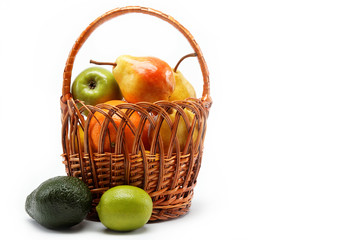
(169, 177)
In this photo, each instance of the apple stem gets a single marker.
(183, 58)
(103, 63)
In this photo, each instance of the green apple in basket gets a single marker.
(96, 85)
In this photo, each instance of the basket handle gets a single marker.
(134, 9)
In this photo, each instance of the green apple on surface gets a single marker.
(96, 85)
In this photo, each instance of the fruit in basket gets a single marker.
(110, 136)
(183, 88)
(59, 202)
(124, 208)
(81, 144)
(182, 131)
(95, 85)
(143, 79)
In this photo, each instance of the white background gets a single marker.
(273, 159)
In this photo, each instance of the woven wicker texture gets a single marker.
(167, 173)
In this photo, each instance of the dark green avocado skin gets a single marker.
(59, 202)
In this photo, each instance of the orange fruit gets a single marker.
(97, 120)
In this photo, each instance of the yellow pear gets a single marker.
(182, 132)
(142, 79)
(81, 144)
(183, 88)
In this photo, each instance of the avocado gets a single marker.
(59, 202)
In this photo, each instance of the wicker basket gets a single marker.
(168, 176)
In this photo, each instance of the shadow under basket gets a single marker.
(123, 154)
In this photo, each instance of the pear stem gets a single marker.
(183, 58)
(103, 63)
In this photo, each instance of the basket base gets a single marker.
(157, 214)
(93, 216)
